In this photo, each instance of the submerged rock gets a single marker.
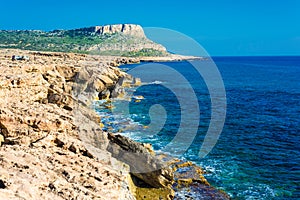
(198, 191)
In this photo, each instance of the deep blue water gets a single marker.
(258, 153)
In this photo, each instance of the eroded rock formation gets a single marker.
(42, 155)
(52, 145)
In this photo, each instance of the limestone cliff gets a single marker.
(120, 38)
(128, 29)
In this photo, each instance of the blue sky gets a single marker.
(222, 27)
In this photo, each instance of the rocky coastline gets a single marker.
(52, 144)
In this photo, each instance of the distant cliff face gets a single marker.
(128, 29)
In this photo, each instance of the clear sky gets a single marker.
(222, 27)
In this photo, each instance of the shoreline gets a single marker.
(38, 117)
(186, 185)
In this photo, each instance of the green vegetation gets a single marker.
(79, 42)
(144, 52)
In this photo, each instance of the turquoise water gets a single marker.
(257, 155)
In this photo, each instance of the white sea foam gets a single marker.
(156, 82)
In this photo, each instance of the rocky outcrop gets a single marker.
(41, 153)
(128, 29)
(143, 165)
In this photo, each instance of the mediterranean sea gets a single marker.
(257, 155)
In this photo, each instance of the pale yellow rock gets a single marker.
(101, 125)
(37, 110)
(106, 80)
(1, 139)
